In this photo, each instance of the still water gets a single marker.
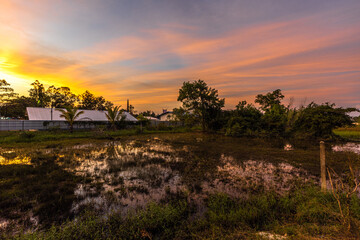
(128, 174)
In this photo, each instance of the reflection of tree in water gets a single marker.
(132, 173)
(42, 192)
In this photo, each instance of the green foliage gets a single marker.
(201, 101)
(312, 121)
(16, 107)
(274, 120)
(61, 97)
(6, 95)
(320, 120)
(90, 102)
(26, 135)
(305, 212)
(245, 120)
(114, 115)
(186, 118)
(38, 93)
(70, 115)
(6, 92)
(148, 113)
(269, 100)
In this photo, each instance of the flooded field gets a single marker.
(48, 185)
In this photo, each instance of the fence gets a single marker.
(22, 125)
(13, 125)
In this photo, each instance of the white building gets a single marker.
(166, 116)
(48, 114)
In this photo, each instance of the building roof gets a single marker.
(44, 114)
(152, 118)
(164, 113)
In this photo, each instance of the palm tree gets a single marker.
(114, 115)
(70, 114)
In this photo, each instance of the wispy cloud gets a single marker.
(312, 55)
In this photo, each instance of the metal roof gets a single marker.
(44, 114)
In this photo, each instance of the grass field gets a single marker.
(26, 138)
(351, 133)
(45, 188)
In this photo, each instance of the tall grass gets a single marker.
(300, 214)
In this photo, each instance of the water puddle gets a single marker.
(11, 157)
(123, 175)
(347, 147)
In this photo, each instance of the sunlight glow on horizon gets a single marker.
(127, 51)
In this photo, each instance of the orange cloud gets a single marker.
(306, 57)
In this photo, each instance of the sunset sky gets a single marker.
(145, 49)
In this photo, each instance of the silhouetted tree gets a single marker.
(6, 94)
(246, 120)
(39, 94)
(320, 120)
(91, 102)
(61, 97)
(201, 100)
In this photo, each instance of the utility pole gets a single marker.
(128, 106)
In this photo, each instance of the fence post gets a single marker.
(322, 166)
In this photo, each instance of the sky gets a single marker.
(144, 50)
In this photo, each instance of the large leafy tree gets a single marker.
(6, 92)
(185, 117)
(246, 120)
(91, 102)
(201, 101)
(38, 93)
(17, 106)
(70, 114)
(61, 97)
(269, 100)
(320, 120)
(274, 119)
(6, 95)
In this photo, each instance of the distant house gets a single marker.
(48, 114)
(151, 118)
(166, 116)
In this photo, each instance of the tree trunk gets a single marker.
(203, 123)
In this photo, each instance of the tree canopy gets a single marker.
(202, 100)
(89, 101)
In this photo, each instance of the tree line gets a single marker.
(13, 105)
(201, 104)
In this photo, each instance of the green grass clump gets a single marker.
(300, 214)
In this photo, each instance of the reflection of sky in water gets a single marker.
(347, 147)
(11, 157)
(128, 174)
(119, 176)
(135, 173)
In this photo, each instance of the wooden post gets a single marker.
(322, 166)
